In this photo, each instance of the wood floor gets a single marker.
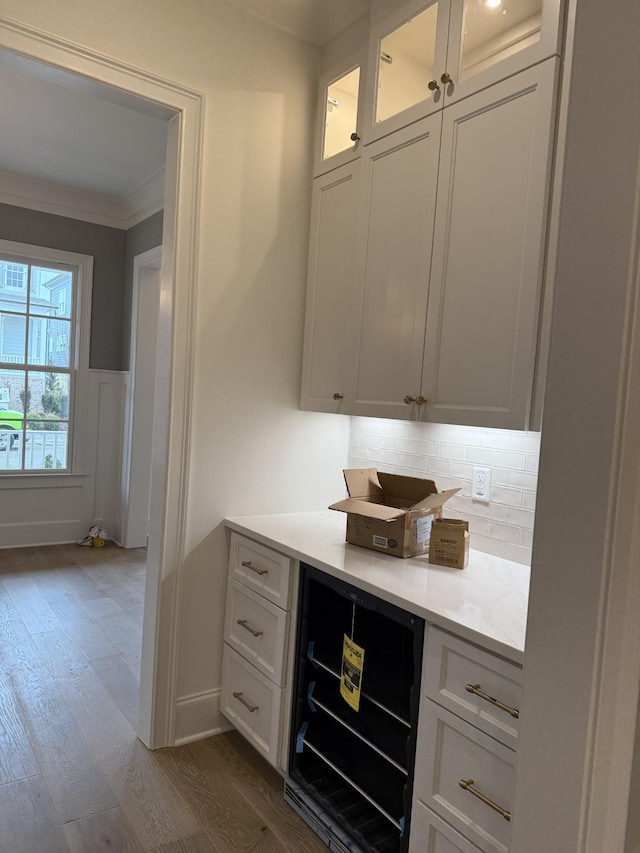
(73, 775)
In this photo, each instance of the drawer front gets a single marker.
(452, 751)
(252, 703)
(257, 629)
(261, 569)
(480, 687)
(430, 834)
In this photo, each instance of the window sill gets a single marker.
(42, 480)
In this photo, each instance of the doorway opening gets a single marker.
(182, 108)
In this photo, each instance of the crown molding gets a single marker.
(142, 201)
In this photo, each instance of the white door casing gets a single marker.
(180, 240)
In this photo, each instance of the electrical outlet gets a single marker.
(481, 485)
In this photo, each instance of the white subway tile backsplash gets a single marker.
(505, 533)
(439, 432)
(523, 480)
(448, 454)
(517, 553)
(452, 451)
(508, 497)
(508, 459)
(528, 442)
(479, 455)
(521, 517)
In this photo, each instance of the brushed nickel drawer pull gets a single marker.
(467, 785)
(246, 704)
(249, 565)
(475, 688)
(247, 627)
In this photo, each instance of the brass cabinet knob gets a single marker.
(446, 79)
(338, 396)
(433, 85)
(409, 400)
(354, 137)
(421, 400)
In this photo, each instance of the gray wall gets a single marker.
(106, 245)
(142, 237)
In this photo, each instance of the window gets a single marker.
(41, 363)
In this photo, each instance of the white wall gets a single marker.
(251, 450)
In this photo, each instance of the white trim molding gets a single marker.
(124, 212)
(198, 716)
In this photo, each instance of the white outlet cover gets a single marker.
(481, 485)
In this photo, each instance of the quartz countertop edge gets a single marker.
(485, 603)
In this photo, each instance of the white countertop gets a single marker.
(485, 603)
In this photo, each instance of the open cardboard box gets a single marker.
(390, 513)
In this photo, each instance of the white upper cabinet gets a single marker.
(488, 253)
(339, 118)
(430, 54)
(334, 216)
(399, 179)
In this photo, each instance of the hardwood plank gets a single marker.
(106, 831)
(199, 843)
(150, 801)
(77, 787)
(17, 760)
(241, 802)
(29, 822)
(122, 682)
(262, 787)
(29, 602)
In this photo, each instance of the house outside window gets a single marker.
(43, 358)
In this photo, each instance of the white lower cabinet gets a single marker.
(255, 664)
(252, 703)
(467, 733)
(464, 773)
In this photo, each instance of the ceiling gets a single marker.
(65, 131)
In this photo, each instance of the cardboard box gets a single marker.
(390, 513)
(449, 544)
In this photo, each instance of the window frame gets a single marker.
(80, 336)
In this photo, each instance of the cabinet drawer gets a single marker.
(430, 834)
(260, 568)
(452, 751)
(257, 629)
(252, 703)
(451, 664)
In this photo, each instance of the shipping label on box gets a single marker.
(449, 543)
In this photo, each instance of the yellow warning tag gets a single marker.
(351, 675)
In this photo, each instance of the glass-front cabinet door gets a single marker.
(428, 54)
(338, 118)
(489, 40)
(406, 52)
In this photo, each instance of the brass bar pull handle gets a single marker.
(467, 785)
(246, 704)
(247, 627)
(249, 565)
(475, 689)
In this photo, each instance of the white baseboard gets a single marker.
(198, 716)
(24, 534)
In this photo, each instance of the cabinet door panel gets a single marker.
(399, 182)
(488, 253)
(330, 281)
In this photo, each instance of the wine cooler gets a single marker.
(354, 715)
